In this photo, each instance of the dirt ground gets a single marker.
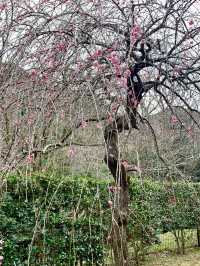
(191, 258)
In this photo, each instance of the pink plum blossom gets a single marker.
(71, 152)
(136, 33)
(174, 119)
(83, 124)
(29, 159)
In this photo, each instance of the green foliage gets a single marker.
(165, 207)
(161, 207)
(49, 220)
(55, 220)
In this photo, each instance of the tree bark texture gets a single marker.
(121, 197)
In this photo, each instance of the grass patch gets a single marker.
(191, 258)
(168, 241)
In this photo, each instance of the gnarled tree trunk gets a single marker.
(121, 197)
(135, 90)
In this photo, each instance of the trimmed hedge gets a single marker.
(162, 207)
(51, 220)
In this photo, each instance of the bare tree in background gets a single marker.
(67, 63)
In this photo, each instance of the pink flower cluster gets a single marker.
(191, 22)
(3, 7)
(71, 152)
(96, 54)
(113, 58)
(30, 159)
(190, 131)
(110, 118)
(61, 47)
(174, 120)
(115, 61)
(135, 33)
(83, 124)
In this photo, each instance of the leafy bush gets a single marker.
(162, 207)
(53, 220)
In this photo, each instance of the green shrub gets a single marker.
(53, 220)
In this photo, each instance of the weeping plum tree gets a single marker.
(62, 61)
